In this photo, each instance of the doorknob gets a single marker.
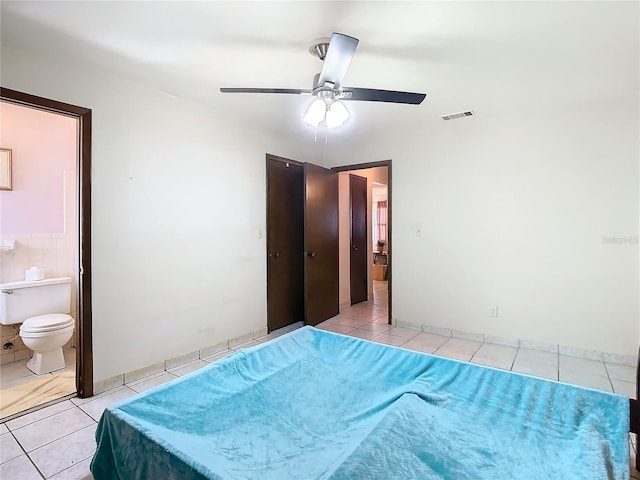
(274, 254)
(355, 247)
(310, 254)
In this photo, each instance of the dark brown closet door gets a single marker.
(320, 244)
(285, 243)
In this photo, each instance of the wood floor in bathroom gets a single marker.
(20, 389)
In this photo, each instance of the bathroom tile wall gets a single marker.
(56, 253)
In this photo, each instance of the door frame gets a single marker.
(84, 352)
(380, 163)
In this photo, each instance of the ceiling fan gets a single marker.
(336, 54)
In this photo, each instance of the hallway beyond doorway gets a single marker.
(366, 319)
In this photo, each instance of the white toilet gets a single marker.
(42, 307)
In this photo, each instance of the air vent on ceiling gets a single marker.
(453, 116)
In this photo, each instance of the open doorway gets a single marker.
(377, 270)
(63, 250)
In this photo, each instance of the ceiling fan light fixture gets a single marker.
(337, 114)
(315, 113)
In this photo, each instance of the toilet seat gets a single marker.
(43, 324)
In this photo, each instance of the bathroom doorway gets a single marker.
(64, 252)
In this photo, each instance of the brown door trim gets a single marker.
(381, 163)
(84, 354)
(283, 159)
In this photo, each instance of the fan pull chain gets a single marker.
(326, 134)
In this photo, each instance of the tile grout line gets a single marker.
(26, 454)
(19, 445)
(613, 389)
(36, 467)
(475, 353)
(513, 362)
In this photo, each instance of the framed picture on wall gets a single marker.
(5, 169)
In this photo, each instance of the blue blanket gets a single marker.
(318, 405)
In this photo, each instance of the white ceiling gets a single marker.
(491, 57)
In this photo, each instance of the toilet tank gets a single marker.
(22, 300)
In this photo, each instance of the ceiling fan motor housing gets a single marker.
(326, 91)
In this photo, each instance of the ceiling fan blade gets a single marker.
(391, 96)
(339, 55)
(295, 91)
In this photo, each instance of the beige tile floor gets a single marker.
(57, 442)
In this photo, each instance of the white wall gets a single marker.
(178, 194)
(513, 212)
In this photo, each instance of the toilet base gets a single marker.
(47, 362)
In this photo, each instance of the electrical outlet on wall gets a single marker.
(494, 312)
(418, 230)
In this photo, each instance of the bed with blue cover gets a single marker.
(317, 405)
